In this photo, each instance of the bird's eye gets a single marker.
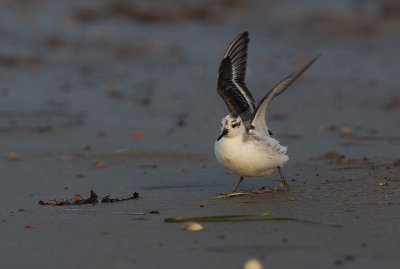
(235, 125)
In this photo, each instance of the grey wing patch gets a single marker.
(279, 149)
(258, 121)
(231, 85)
(268, 144)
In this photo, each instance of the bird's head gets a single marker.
(231, 126)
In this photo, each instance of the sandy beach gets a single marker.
(120, 97)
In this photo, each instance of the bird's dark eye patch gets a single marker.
(235, 125)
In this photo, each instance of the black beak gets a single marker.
(224, 133)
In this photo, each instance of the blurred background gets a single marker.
(81, 71)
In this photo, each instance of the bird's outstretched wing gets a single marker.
(258, 121)
(231, 86)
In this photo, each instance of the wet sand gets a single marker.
(135, 89)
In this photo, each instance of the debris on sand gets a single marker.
(383, 184)
(54, 202)
(30, 226)
(393, 104)
(107, 199)
(77, 199)
(339, 158)
(112, 92)
(231, 195)
(99, 165)
(31, 61)
(368, 163)
(78, 175)
(331, 128)
(261, 190)
(137, 135)
(343, 131)
(181, 119)
(346, 131)
(12, 156)
(85, 147)
(101, 134)
(154, 212)
(331, 155)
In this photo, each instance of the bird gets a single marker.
(245, 145)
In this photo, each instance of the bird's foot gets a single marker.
(283, 186)
(261, 190)
(231, 194)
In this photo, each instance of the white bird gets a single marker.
(245, 145)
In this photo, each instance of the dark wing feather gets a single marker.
(231, 85)
(258, 121)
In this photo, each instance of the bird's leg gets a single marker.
(237, 185)
(233, 192)
(283, 184)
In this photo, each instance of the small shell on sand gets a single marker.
(192, 227)
(252, 264)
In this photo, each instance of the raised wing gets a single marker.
(258, 121)
(231, 86)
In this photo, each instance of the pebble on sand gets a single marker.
(252, 264)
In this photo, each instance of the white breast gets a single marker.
(250, 158)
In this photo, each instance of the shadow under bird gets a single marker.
(245, 146)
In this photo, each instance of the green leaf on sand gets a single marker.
(264, 217)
